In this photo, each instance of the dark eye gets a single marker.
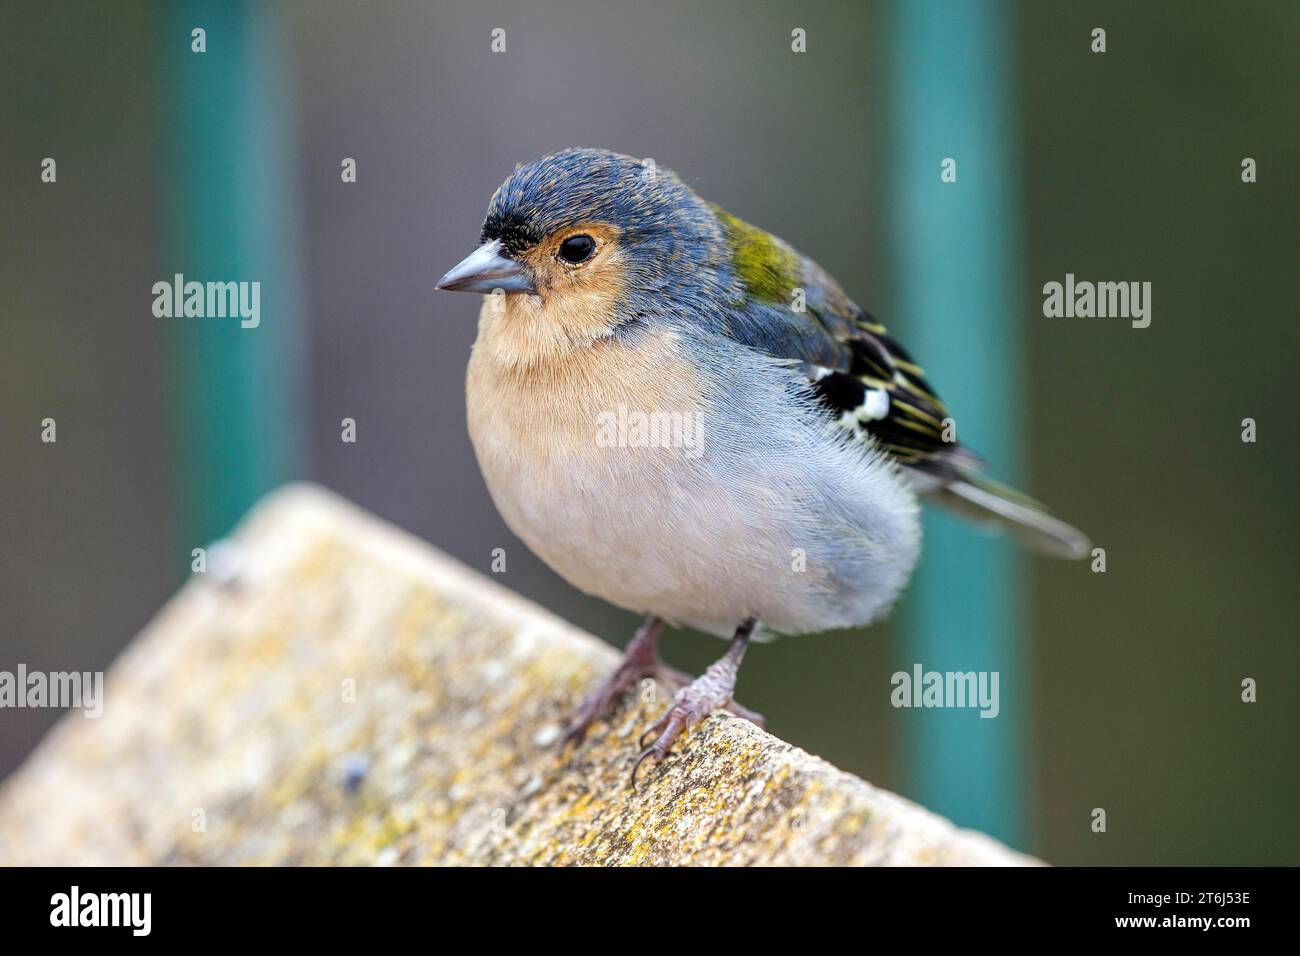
(577, 249)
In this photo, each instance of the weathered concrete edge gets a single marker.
(275, 535)
(304, 504)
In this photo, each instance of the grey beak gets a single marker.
(486, 270)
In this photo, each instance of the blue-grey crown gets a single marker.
(648, 204)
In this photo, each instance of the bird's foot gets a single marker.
(679, 679)
(601, 701)
(640, 660)
(709, 692)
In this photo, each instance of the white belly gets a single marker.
(759, 512)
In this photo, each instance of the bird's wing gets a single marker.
(789, 307)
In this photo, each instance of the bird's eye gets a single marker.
(577, 249)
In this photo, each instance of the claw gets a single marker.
(648, 752)
(667, 728)
(651, 731)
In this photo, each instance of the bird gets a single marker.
(686, 417)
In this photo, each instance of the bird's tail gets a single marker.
(988, 502)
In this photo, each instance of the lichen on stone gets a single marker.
(365, 700)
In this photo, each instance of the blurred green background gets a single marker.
(1123, 166)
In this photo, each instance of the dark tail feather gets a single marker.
(984, 500)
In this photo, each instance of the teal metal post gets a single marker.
(952, 96)
(228, 214)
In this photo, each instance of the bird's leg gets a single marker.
(679, 679)
(640, 659)
(694, 702)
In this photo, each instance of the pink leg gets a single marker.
(639, 660)
(696, 700)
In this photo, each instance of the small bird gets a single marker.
(686, 417)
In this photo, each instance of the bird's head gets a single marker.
(588, 228)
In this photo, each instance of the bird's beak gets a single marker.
(486, 270)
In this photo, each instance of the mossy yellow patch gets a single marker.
(768, 269)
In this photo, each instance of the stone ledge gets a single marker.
(356, 697)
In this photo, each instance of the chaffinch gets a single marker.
(684, 416)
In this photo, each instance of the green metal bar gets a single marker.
(957, 244)
(228, 214)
